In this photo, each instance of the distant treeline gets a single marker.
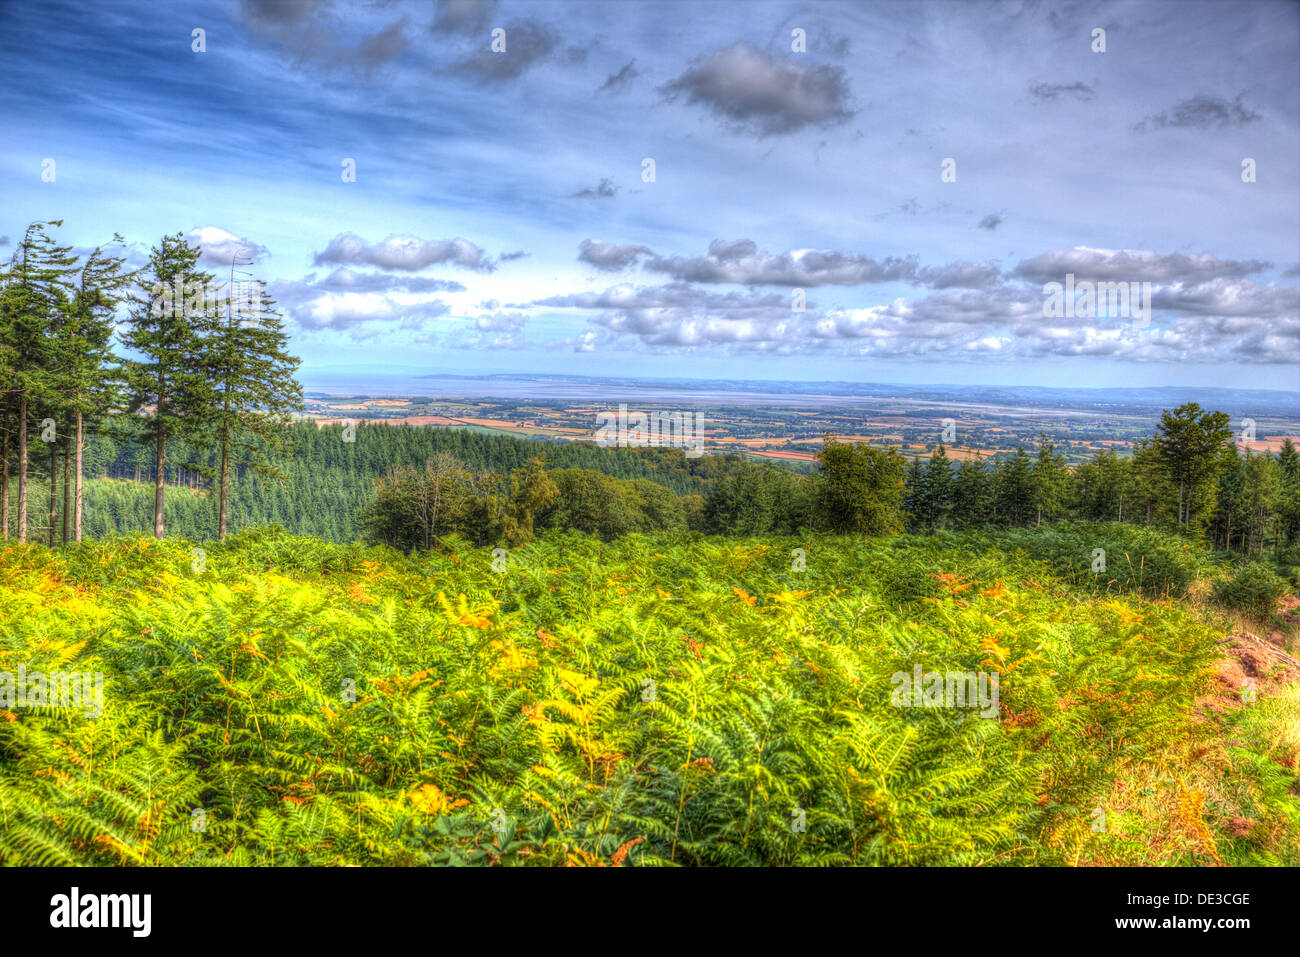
(326, 480)
(408, 486)
(1188, 477)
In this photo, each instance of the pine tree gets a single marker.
(1048, 480)
(94, 372)
(166, 325)
(1231, 508)
(1288, 461)
(1015, 489)
(253, 375)
(1190, 447)
(35, 289)
(1150, 489)
(972, 494)
(1262, 495)
(939, 489)
(915, 496)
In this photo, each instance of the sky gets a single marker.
(874, 192)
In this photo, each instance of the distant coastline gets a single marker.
(715, 392)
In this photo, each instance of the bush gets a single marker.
(1137, 559)
(1253, 588)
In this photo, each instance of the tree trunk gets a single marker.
(4, 477)
(225, 465)
(67, 487)
(76, 522)
(22, 469)
(54, 490)
(158, 484)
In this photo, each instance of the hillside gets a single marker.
(654, 700)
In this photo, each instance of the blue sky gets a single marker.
(500, 219)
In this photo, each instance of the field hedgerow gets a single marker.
(652, 701)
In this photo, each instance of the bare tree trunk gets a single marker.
(22, 469)
(225, 465)
(67, 487)
(54, 491)
(76, 523)
(158, 484)
(4, 477)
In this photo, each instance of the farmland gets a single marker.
(790, 427)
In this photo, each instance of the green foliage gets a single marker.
(1252, 588)
(860, 489)
(649, 701)
(1136, 559)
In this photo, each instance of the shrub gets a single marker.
(1252, 588)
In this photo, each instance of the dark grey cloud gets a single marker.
(382, 47)
(990, 222)
(314, 31)
(608, 256)
(528, 43)
(263, 13)
(617, 82)
(511, 257)
(605, 189)
(1047, 92)
(1200, 112)
(463, 16)
(763, 95)
(741, 261)
(408, 253)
